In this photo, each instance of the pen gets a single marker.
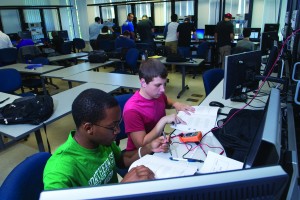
(186, 160)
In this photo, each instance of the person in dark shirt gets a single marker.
(57, 41)
(184, 31)
(23, 42)
(145, 30)
(105, 41)
(223, 37)
(124, 41)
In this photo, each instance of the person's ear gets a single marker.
(88, 127)
(143, 83)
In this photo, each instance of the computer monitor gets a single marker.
(240, 71)
(267, 41)
(260, 183)
(255, 33)
(159, 30)
(25, 34)
(210, 30)
(271, 27)
(63, 34)
(271, 59)
(266, 145)
(200, 33)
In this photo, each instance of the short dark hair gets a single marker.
(174, 18)
(130, 14)
(126, 33)
(152, 68)
(246, 32)
(90, 106)
(97, 19)
(104, 29)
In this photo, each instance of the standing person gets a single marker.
(144, 113)
(223, 37)
(245, 43)
(145, 29)
(4, 41)
(184, 32)
(94, 31)
(170, 33)
(90, 156)
(128, 26)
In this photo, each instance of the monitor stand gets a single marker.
(239, 98)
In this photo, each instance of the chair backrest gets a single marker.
(202, 50)
(66, 48)
(10, 80)
(25, 181)
(122, 99)
(211, 78)
(131, 58)
(78, 43)
(106, 45)
(40, 60)
(8, 56)
(27, 53)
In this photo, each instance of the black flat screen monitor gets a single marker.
(255, 33)
(210, 30)
(271, 27)
(271, 60)
(25, 34)
(266, 145)
(159, 30)
(63, 34)
(240, 72)
(267, 41)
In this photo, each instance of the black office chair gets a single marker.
(8, 56)
(79, 44)
(66, 48)
(202, 52)
(131, 60)
(106, 45)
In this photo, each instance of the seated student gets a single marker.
(245, 43)
(144, 113)
(90, 156)
(124, 41)
(57, 42)
(23, 42)
(105, 36)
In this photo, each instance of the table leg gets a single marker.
(2, 145)
(183, 86)
(44, 85)
(70, 84)
(39, 140)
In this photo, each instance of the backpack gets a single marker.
(97, 56)
(27, 110)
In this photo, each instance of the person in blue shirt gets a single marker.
(94, 31)
(124, 41)
(128, 26)
(23, 42)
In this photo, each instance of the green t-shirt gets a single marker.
(73, 166)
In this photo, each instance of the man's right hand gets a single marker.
(138, 173)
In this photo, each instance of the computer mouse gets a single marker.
(216, 104)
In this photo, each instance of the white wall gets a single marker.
(203, 13)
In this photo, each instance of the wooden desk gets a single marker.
(123, 80)
(67, 56)
(62, 106)
(196, 62)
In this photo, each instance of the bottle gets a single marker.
(146, 54)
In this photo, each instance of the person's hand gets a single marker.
(138, 173)
(160, 144)
(183, 107)
(173, 119)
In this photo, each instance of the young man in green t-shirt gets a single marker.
(90, 156)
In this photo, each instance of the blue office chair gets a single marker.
(8, 56)
(11, 81)
(79, 44)
(122, 99)
(131, 58)
(211, 78)
(25, 181)
(202, 52)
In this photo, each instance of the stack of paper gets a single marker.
(203, 119)
(164, 168)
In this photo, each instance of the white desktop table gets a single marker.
(67, 56)
(75, 69)
(62, 106)
(123, 80)
(195, 63)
